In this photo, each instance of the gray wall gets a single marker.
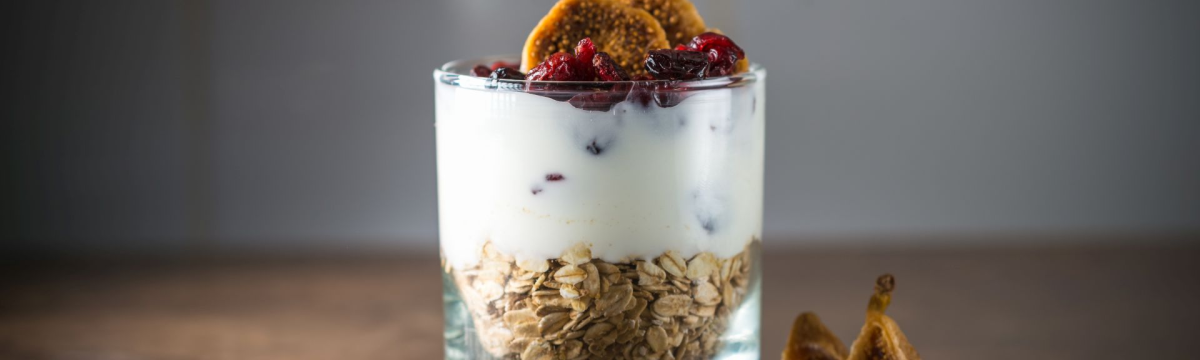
(164, 125)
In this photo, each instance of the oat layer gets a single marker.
(577, 307)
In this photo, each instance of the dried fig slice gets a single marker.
(811, 340)
(624, 32)
(881, 338)
(678, 17)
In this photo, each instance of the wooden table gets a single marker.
(1116, 302)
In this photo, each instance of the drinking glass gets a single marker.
(599, 219)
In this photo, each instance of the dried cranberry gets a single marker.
(676, 64)
(506, 73)
(723, 54)
(585, 50)
(558, 67)
(607, 69)
(554, 177)
(502, 64)
(481, 71)
(711, 40)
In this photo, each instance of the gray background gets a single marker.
(231, 125)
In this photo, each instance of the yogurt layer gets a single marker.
(535, 176)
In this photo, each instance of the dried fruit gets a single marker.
(881, 337)
(505, 73)
(811, 340)
(676, 64)
(607, 69)
(585, 50)
(554, 177)
(481, 71)
(558, 67)
(502, 64)
(624, 32)
(678, 18)
(723, 54)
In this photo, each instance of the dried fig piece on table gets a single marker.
(881, 337)
(811, 340)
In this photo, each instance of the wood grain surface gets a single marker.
(1117, 302)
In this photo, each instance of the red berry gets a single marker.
(585, 50)
(710, 40)
(501, 64)
(607, 69)
(558, 67)
(676, 64)
(506, 73)
(481, 71)
(554, 177)
(723, 54)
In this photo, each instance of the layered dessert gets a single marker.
(600, 195)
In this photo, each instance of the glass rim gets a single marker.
(454, 73)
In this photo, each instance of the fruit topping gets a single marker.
(722, 53)
(678, 18)
(558, 67)
(676, 64)
(585, 50)
(481, 71)
(502, 64)
(506, 73)
(622, 31)
(607, 69)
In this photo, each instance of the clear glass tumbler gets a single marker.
(600, 220)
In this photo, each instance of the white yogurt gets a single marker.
(688, 178)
